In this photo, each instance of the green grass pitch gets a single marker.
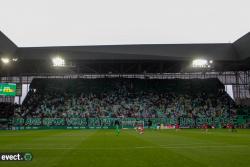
(164, 148)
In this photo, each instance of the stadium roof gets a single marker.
(232, 56)
(238, 50)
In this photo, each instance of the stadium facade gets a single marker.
(230, 65)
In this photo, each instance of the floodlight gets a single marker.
(58, 62)
(14, 59)
(200, 63)
(5, 60)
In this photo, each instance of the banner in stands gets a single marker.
(93, 123)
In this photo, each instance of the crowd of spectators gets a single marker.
(125, 100)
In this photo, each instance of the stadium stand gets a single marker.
(165, 100)
(6, 112)
(243, 114)
(126, 98)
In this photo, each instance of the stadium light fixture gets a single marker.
(15, 59)
(58, 62)
(5, 60)
(202, 63)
